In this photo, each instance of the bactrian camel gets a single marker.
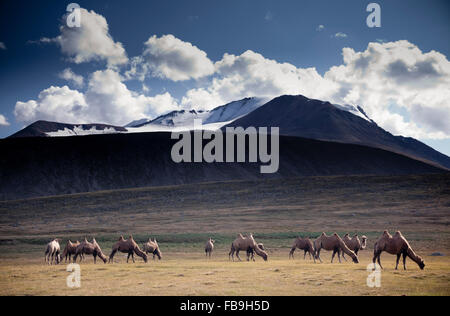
(245, 244)
(52, 252)
(69, 250)
(304, 244)
(151, 246)
(333, 243)
(89, 248)
(128, 246)
(396, 245)
(252, 253)
(209, 247)
(354, 244)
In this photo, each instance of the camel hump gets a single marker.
(386, 232)
(356, 235)
(323, 234)
(121, 238)
(335, 234)
(398, 233)
(130, 237)
(240, 235)
(346, 235)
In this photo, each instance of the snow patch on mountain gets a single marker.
(80, 131)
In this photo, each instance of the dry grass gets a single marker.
(183, 217)
(191, 274)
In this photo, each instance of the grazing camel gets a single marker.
(251, 253)
(128, 246)
(151, 246)
(304, 244)
(209, 247)
(333, 243)
(396, 245)
(246, 244)
(52, 252)
(69, 250)
(89, 248)
(354, 244)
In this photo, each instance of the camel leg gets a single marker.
(379, 262)
(237, 255)
(404, 260)
(332, 256)
(95, 259)
(111, 256)
(398, 259)
(318, 255)
(343, 256)
(314, 258)
(132, 257)
(128, 258)
(339, 255)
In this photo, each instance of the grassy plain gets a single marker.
(183, 217)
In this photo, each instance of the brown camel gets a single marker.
(246, 244)
(89, 248)
(252, 253)
(128, 246)
(333, 243)
(71, 248)
(209, 247)
(396, 245)
(52, 252)
(354, 244)
(151, 246)
(304, 244)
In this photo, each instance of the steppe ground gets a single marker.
(183, 217)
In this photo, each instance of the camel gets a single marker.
(151, 246)
(251, 253)
(354, 244)
(396, 245)
(333, 243)
(246, 244)
(70, 249)
(128, 246)
(52, 252)
(209, 247)
(89, 248)
(304, 244)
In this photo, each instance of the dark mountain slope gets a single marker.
(303, 117)
(32, 167)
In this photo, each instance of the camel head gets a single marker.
(264, 255)
(363, 242)
(421, 263)
(158, 253)
(355, 258)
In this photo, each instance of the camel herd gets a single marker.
(395, 245)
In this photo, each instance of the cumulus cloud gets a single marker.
(251, 74)
(89, 42)
(340, 35)
(320, 27)
(2, 46)
(3, 121)
(106, 100)
(397, 73)
(171, 58)
(69, 75)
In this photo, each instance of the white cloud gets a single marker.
(3, 121)
(400, 74)
(69, 75)
(251, 74)
(2, 46)
(268, 16)
(171, 58)
(89, 42)
(340, 35)
(320, 27)
(107, 100)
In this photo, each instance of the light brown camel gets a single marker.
(151, 246)
(396, 245)
(209, 247)
(354, 244)
(252, 253)
(128, 246)
(246, 244)
(89, 248)
(69, 250)
(304, 244)
(52, 252)
(333, 243)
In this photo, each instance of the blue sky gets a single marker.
(280, 31)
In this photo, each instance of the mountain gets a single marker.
(42, 166)
(309, 118)
(46, 129)
(212, 119)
